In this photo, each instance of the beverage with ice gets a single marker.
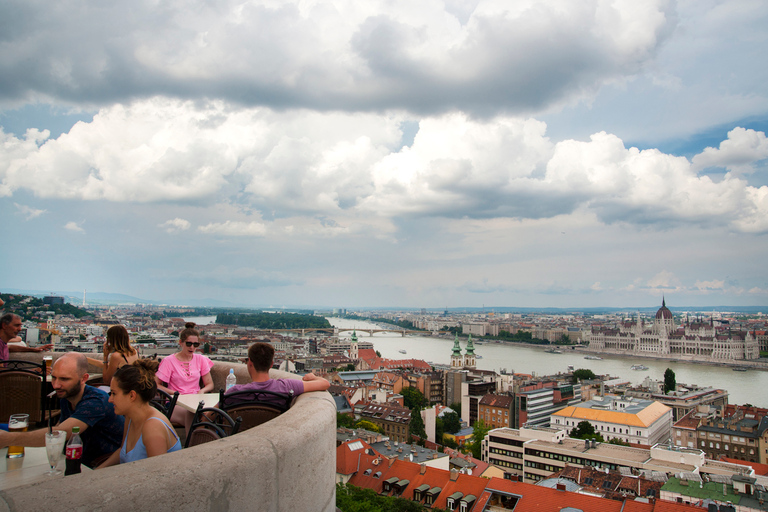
(17, 423)
(54, 447)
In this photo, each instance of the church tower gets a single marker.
(456, 359)
(469, 356)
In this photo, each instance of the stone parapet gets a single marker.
(286, 464)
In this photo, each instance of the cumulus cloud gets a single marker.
(29, 212)
(381, 54)
(351, 166)
(737, 154)
(175, 225)
(234, 228)
(73, 226)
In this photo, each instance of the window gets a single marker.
(717, 445)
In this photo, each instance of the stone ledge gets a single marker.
(286, 464)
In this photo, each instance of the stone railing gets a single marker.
(286, 464)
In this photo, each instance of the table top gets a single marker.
(28, 469)
(189, 402)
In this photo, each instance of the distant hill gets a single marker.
(33, 308)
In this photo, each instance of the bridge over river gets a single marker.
(336, 331)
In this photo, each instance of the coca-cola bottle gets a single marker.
(74, 452)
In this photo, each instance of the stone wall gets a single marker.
(286, 464)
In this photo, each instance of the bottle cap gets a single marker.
(75, 430)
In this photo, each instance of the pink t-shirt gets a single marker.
(5, 352)
(183, 377)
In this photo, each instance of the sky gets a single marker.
(456, 153)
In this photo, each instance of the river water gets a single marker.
(743, 387)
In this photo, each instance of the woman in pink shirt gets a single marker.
(183, 372)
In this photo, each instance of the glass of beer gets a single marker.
(48, 360)
(17, 423)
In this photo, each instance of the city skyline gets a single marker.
(458, 154)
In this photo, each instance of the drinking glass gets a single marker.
(54, 447)
(17, 423)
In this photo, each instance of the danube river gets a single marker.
(743, 387)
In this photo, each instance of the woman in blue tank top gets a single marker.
(147, 431)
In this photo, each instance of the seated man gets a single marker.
(10, 325)
(81, 406)
(260, 358)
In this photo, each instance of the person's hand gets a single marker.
(309, 376)
(45, 348)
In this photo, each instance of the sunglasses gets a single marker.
(191, 344)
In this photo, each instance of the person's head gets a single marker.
(118, 339)
(10, 325)
(133, 383)
(69, 375)
(261, 355)
(189, 338)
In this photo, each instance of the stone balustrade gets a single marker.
(287, 464)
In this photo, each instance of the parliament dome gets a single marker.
(663, 313)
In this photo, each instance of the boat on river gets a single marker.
(739, 368)
(402, 351)
(594, 358)
(553, 351)
(641, 367)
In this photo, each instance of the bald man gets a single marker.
(10, 325)
(81, 406)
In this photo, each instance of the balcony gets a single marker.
(286, 464)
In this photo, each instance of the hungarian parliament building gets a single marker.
(694, 341)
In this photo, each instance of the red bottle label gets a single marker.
(74, 452)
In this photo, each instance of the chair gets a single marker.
(23, 390)
(164, 402)
(255, 407)
(209, 424)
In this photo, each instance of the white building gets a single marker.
(631, 420)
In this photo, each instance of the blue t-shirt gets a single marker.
(104, 434)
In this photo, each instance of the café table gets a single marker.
(29, 469)
(190, 402)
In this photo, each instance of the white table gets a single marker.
(28, 469)
(190, 402)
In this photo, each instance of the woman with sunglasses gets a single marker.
(183, 371)
(147, 432)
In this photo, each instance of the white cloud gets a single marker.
(709, 286)
(175, 225)
(737, 154)
(234, 228)
(346, 55)
(73, 226)
(29, 212)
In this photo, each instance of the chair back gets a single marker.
(255, 407)
(23, 389)
(164, 402)
(209, 424)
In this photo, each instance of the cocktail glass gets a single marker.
(54, 447)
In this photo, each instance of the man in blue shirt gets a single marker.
(81, 406)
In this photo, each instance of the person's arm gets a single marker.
(95, 362)
(161, 385)
(155, 437)
(207, 383)
(113, 460)
(19, 348)
(111, 367)
(37, 437)
(314, 383)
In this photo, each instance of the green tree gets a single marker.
(378, 353)
(670, 383)
(350, 367)
(585, 430)
(413, 398)
(582, 374)
(344, 420)
(367, 425)
(451, 422)
(479, 431)
(416, 428)
(563, 340)
(207, 348)
(355, 499)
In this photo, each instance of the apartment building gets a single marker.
(532, 454)
(392, 419)
(535, 403)
(631, 420)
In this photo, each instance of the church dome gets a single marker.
(663, 313)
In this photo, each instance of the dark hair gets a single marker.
(261, 355)
(189, 330)
(138, 377)
(119, 340)
(7, 318)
